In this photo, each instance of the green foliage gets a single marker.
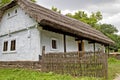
(108, 29)
(21, 74)
(55, 9)
(3, 2)
(33, 0)
(82, 16)
(113, 68)
(113, 60)
(118, 50)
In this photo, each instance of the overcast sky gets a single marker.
(110, 9)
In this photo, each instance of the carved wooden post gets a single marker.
(43, 50)
(43, 54)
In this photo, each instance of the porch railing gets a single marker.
(90, 64)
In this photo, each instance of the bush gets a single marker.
(112, 60)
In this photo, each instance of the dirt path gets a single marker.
(118, 77)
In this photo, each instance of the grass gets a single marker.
(23, 74)
(113, 68)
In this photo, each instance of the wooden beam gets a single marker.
(78, 39)
(43, 50)
(108, 51)
(91, 42)
(64, 37)
(94, 47)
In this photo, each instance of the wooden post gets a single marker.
(94, 47)
(78, 49)
(108, 51)
(64, 37)
(82, 47)
(43, 50)
(43, 54)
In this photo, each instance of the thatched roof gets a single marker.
(48, 18)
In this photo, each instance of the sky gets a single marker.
(110, 9)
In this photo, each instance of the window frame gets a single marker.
(13, 48)
(3, 47)
(52, 44)
(9, 51)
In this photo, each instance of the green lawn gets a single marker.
(113, 68)
(22, 74)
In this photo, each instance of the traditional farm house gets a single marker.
(26, 27)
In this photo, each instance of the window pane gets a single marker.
(54, 45)
(13, 45)
(5, 46)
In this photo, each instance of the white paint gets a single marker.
(71, 44)
(27, 49)
(46, 37)
(27, 41)
(90, 46)
(15, 22)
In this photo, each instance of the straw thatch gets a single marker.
(56, 21)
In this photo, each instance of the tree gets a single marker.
(3, 2)
(55, 9)
(82, 16)
(108, 29)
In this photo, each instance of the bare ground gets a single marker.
(118, 77)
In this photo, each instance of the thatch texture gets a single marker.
(55, 20)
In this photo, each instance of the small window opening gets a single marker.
(5, 46)
(54, 44)
(13, 45)
(8, 14)
(15, 11)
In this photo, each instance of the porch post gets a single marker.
(94, 46)
(108, 51)
(43, 50)
(64, 39)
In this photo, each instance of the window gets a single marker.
(5, 46)
(9, 46)
(54, 44)
(13, 45)
(16, 11)
(8, 14)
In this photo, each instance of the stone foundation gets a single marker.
(21, 64)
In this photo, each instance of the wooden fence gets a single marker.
(89, 64)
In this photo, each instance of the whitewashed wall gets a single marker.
(15, 22)
(27, 41)
(71, 44)
(46, 36)
(90, 47)
(27, 46)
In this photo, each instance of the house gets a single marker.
(26, 27)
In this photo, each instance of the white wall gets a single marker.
(15, 22)
(71, 44)
(27, 46)
(90, 47)
(27, 42)
(46, 37)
